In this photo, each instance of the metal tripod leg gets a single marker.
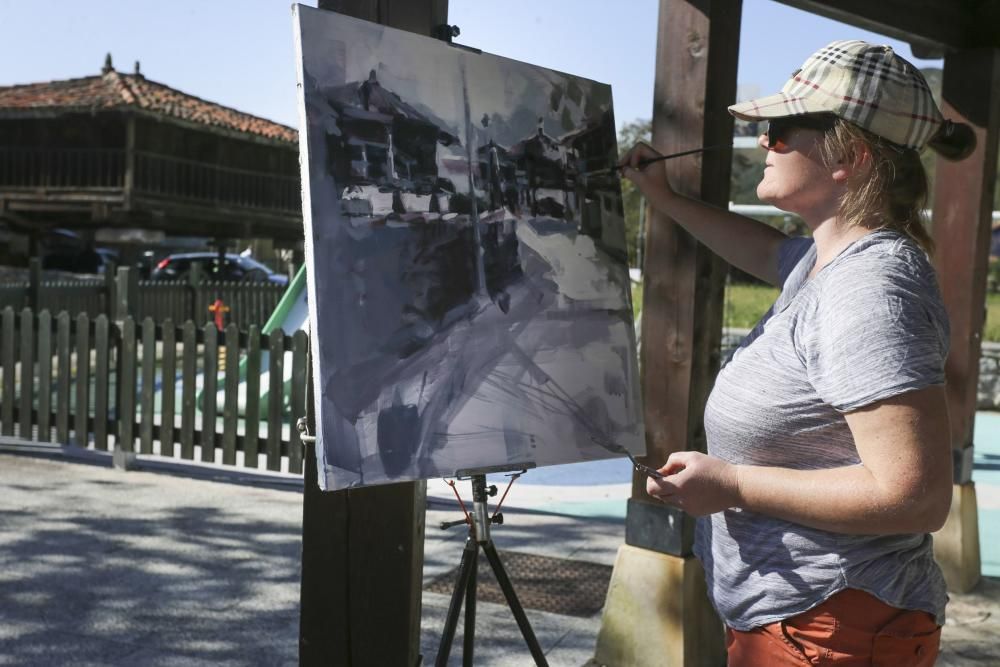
(514, 603)
(467, 568)
(468, 638)
(465, 585)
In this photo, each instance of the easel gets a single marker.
(465, 585)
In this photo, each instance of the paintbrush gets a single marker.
(618, 449)
(642, 163)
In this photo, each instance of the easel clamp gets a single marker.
(302, 426)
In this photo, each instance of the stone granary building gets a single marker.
(131, 162)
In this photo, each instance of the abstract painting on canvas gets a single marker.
(468, 284)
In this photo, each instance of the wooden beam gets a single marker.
(419, 16)
(684, 281)
(362, 564)
(697, 48)
(934, 24)
(362, 550)
(963, 202)
(128, 179)
(324, 633)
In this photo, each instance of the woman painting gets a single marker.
(829, 461)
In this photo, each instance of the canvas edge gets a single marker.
(307, 225)
(634, 366)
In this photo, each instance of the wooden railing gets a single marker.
(189, 179)
(155, 175)
(179, 301)
(62, 168)
(248, 303)
(74, 296)
(154, 388)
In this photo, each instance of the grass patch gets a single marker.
(636, 299)
(746, 304)
(991, 331)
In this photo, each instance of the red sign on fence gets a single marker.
(220, 309)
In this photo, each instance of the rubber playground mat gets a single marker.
(543, 583)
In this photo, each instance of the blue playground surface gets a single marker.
(576, 476)
(986, 475)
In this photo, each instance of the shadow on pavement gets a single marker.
(99, 568)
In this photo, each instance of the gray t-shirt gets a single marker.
(868, 326)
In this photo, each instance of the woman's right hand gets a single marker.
(651, 179)
(745, 243)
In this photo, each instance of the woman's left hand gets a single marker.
(696, 483)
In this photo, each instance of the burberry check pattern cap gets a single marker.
(865, 84)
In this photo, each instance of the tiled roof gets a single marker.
(370, 96)
(115, 90)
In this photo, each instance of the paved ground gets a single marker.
(100, 567)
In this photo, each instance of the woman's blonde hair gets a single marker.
(888, 190)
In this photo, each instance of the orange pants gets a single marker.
(851, 628)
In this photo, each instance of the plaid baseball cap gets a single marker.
(863, 83)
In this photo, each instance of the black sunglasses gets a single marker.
(778, 128)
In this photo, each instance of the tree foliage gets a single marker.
(628, 136)
(747, 170)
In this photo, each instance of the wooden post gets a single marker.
(128, 180)
(7, 362)
(126, 293)
(81, 381)
(27, 358)
(209, 391)
(362, 550)
(109, 295)
(124, 452)
(35, 284)
(662, 610)
(102, 344)
(963, 203)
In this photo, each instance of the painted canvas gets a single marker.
(468, 286)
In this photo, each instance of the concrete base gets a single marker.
(956, 545)
(657, 613)
(122, 460)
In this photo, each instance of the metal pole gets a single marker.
(479, 515)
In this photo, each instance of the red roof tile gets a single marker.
(114, 90)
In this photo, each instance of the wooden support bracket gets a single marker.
(657, 613)
(956, 546)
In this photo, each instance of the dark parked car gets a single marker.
(65, 250)
(85, 260)
(229, 267)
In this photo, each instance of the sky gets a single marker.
(240, 53)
